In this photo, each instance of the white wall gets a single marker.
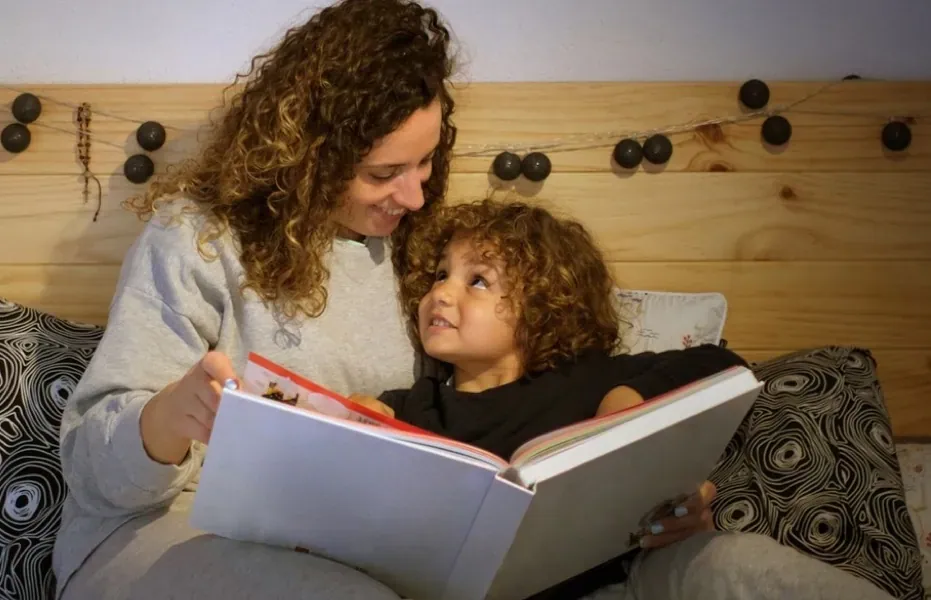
(210, 40)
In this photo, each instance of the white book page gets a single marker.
(278, 475)
(597, 501)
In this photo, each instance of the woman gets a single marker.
(282, 237)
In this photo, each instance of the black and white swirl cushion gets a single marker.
(814, 466)
(41, 360)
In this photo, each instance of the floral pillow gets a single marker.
(668, 320)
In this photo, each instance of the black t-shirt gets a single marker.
(501, 419)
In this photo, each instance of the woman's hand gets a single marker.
(372, 404)
(695, 517)
(185, 410)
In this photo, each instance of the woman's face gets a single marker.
(389, 180)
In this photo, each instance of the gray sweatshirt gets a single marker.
(172, 306)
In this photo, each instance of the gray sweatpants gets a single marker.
(159, 557)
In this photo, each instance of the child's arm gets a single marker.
(372, 404)
(622, 381)
(618, 399)
(653, 374)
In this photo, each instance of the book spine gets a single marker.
(488, 541)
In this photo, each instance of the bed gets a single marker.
(820, 249)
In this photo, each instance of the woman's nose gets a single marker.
(409, 194)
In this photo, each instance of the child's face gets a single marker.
(465, 319)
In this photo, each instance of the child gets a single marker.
(518, 306)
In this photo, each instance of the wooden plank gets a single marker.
(77, 292)
(905, 378)
(738, 216)
(45, 220)
(674, 217)
(790, 305)
(771, 306)
(525, 113)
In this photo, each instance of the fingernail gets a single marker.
(231, 384)
(681, 511)
(657, 529)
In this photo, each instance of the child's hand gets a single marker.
(695, 517)
(372, 404)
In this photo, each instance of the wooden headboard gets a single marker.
(827, 241)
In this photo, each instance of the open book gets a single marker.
(292, 464)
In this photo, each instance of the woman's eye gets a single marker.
(381, 176)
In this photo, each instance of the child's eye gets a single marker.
(440, 275)
(479, 281)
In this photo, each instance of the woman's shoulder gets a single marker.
(179, 249)
(180, 232)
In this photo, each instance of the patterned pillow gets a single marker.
(814, 466)
(670, 320)
(41, 360)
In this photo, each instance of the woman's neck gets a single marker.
(349, 234)
(479, 378)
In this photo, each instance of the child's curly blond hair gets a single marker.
(559, 285)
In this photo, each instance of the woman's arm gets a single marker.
(146, 347)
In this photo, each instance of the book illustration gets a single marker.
(662, 510)
(272, 381)
(273, 392)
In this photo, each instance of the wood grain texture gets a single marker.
(822, 242)
(674, 217)
(788, 305)
(773, 305)
(905, 378)
(77, 292)
(825, 138)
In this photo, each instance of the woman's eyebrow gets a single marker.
(396, 165)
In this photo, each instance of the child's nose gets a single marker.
(443, 294)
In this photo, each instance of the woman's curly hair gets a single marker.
(288, 143)
(560, 288)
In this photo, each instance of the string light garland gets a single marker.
(506, 166)
(754, 96)
(536, 166)
(15, 138)
(657, 149)
(896, 136)
(776, 130)
(151, 136)
(138, 168)
(628, 153)
(26, 108)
